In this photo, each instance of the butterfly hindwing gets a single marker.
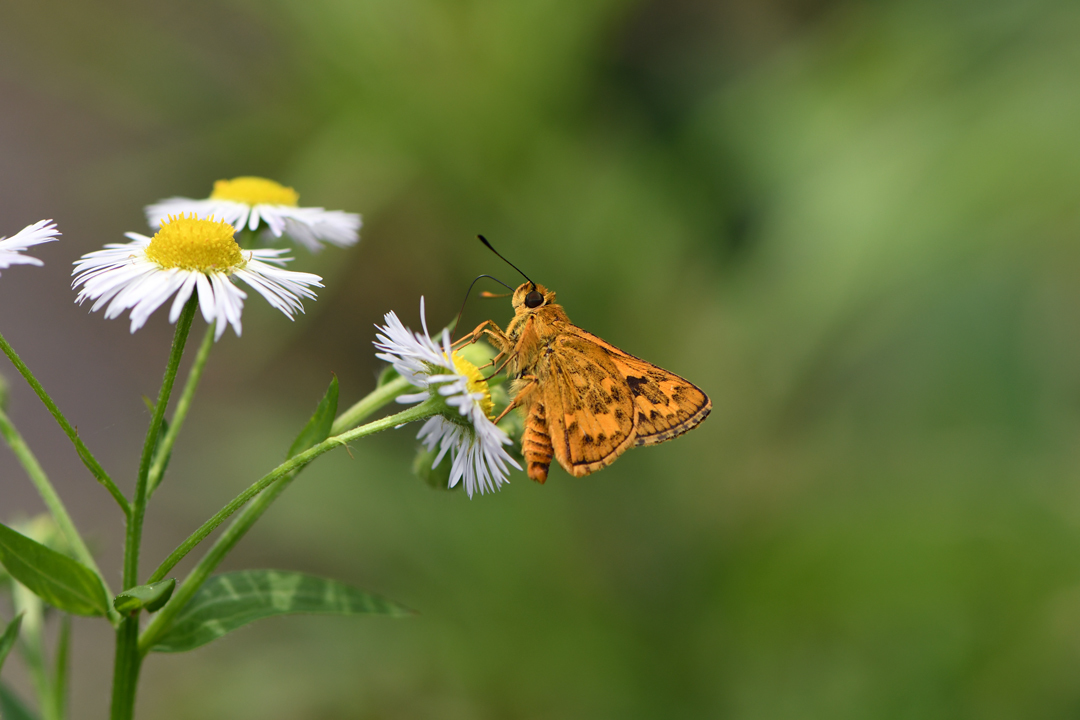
(665, 405)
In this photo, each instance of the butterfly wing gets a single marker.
(665, 405)
(586, 403)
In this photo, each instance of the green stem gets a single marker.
(32, 644)
(60, 677)
(379, 397)
(138, 509)
(128, 660)
(48, 494)
(85, 455)
(281, 475)
(183, 404)
(126, 669)
(366, 406)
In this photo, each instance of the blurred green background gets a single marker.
(853, 224)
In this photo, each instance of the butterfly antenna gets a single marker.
(468, 292)
(485, 241)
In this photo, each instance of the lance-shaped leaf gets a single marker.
(55, 578)
(232, 600)
(318, 427)
(11, 708)
(7, 640)
(145, 597)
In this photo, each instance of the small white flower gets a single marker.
(11, 248)
(475, 444)
(249, 201)
(188, 255)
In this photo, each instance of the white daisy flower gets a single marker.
(465, 431)
(249, 201)
(188, 255)
(11, 248)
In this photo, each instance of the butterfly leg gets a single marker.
(532, 384)
(473, 336)
(493, 336)
(536, 444)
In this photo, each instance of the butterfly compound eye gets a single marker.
(534, 299)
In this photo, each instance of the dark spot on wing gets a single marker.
(595, 373)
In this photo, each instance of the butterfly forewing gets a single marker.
(590, 413)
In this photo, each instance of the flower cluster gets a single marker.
(249, 201)
(188, 255)
(465, 430)
(195, 254)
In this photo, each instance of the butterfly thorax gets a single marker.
(533, 329)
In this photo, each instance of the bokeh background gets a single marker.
(853, 224)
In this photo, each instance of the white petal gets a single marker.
(182, 296)
(11, 248)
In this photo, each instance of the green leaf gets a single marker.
(55, 578)
(11, 708)
(7, 640)
(318, 427)
(145, 597)
(232, 600)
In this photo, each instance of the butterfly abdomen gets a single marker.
(536, 443)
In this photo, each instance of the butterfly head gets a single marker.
(530, 296)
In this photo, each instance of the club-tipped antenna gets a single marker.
(468, 292)
(485, 241)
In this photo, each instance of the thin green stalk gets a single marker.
(128, 660)
(126, 669)
(379, 397)
(281, 475)
(48, 494)
(60, 676)
(369, 404)
(84, 453)
(138, 508)
(32, 645)
(183, 404)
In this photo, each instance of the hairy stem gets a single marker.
(84, 453)
(183, 404)
(48, 494)
(276, 480)
(128, 659)
(376, 399)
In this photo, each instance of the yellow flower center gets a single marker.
(254, 191)
(475, 382)
(192, 244)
